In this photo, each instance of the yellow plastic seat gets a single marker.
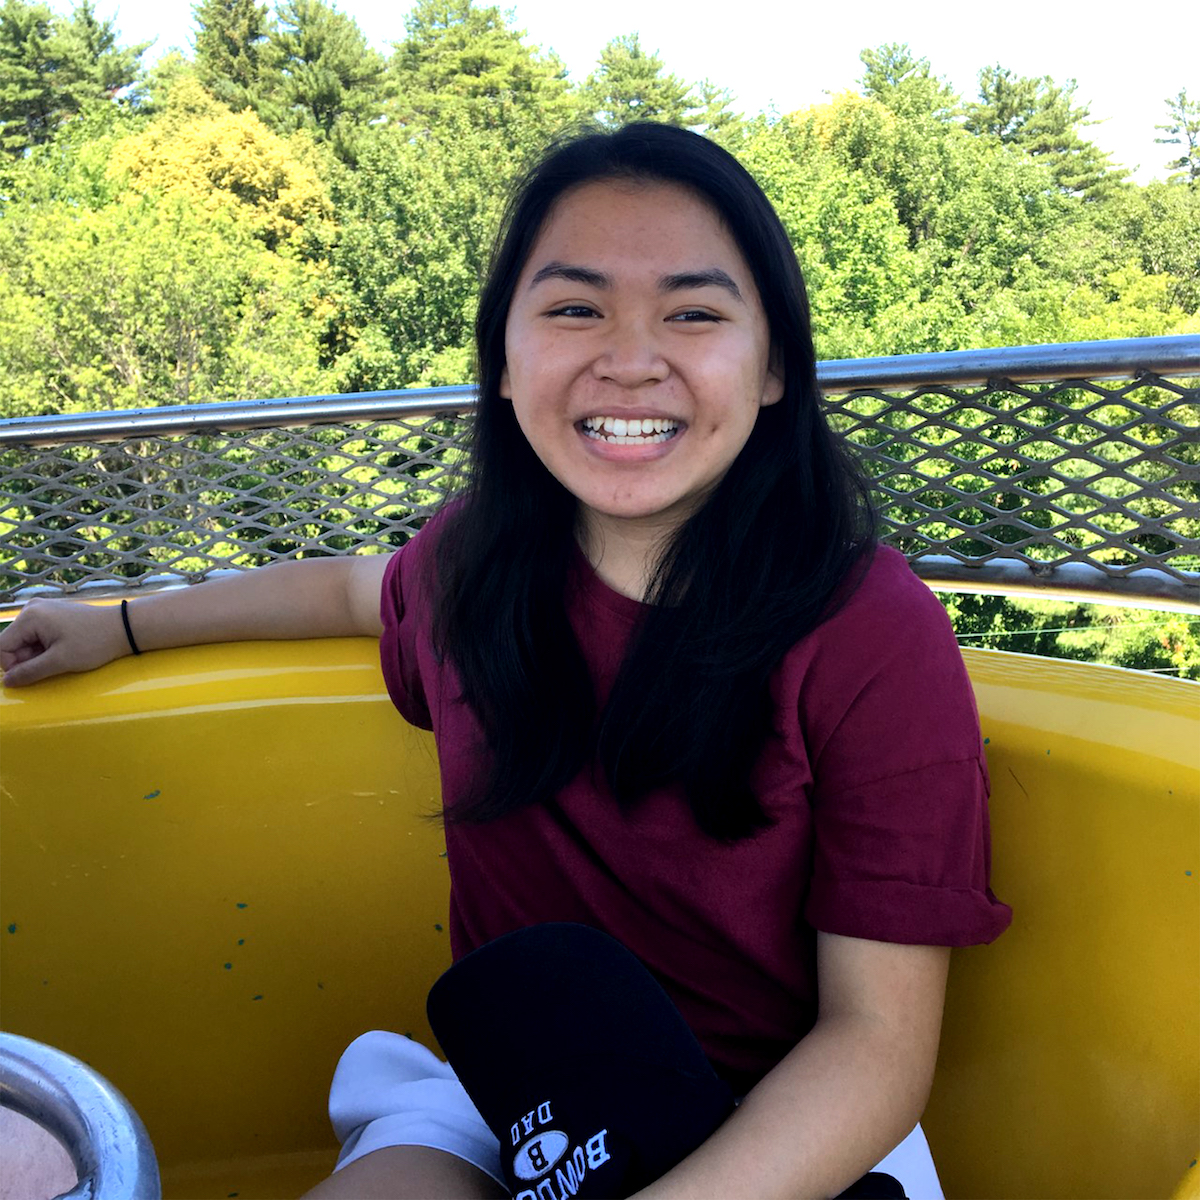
(220, 865)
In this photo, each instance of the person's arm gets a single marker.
(844, 1097)
(316, 597)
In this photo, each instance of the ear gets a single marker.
(505, 385)
(774, 383)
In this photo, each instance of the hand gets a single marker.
(51, 637)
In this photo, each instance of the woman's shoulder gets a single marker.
(888, 623)
(885, 594)
(886, 660)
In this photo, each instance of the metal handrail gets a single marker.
(223, 417)
(1016, 438)
(105, 1138)
(1124, 358)
(1128, 358)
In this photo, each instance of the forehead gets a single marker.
(632, 222)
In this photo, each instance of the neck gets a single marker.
(624, 553)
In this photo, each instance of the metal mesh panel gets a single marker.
(185, 506)
(1072, 483)
(1044, 474)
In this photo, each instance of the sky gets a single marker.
(786, 55)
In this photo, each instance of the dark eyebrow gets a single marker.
(712, 277)
(584, 275)
(683, 281)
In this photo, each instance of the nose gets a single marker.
(631, 356)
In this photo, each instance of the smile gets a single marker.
(620, 431)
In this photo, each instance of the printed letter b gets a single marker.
(597, 1155)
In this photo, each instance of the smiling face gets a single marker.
(637, 353)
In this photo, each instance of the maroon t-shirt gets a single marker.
(873, 775)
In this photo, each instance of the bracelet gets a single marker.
(128, 632)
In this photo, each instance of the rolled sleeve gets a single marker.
(906, 859)
(900, 833)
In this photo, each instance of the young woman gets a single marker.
(679, 693)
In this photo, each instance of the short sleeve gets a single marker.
(400, 650)
(901, 841)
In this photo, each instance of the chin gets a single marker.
(647, 514)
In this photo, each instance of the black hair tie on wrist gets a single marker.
(128, 632)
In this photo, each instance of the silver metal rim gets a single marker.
(96, 1124)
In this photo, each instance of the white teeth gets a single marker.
(635, 431)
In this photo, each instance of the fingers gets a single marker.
(43, 641)
(32, 668)
(21, 644)
(20, 654)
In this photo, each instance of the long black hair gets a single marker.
(759, 564)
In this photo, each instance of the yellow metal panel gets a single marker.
(218, 871)
(1071, 1053)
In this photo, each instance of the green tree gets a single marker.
(105, 68)
(848, 239)
(146, 302)
(460, 60)
(1183, 126)
(332, 81)
(52, 67)
(999, 243)
(160, 78)
(30, 94)
(233, 52)
(74, 166)
(905, 84)
(630, 84)
(920, 157)
(417, 222)
(715, 114)
(916, 235)
(1041, 118)
(1156, 226)
(1166, 643)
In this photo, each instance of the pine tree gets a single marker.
(106, 69)
(1041, 118)
(233, 52)
(1183, 125)
(51, 67)
(905, 84)
(715, 115)
(631, 85)
(332, 81)
(466, 61)
(29, 101)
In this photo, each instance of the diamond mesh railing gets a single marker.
(1074, 468)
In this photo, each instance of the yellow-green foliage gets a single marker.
(917, 230)
(149, 302)
(217, 159)
(856, 129)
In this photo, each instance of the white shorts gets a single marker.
(391, 1091)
